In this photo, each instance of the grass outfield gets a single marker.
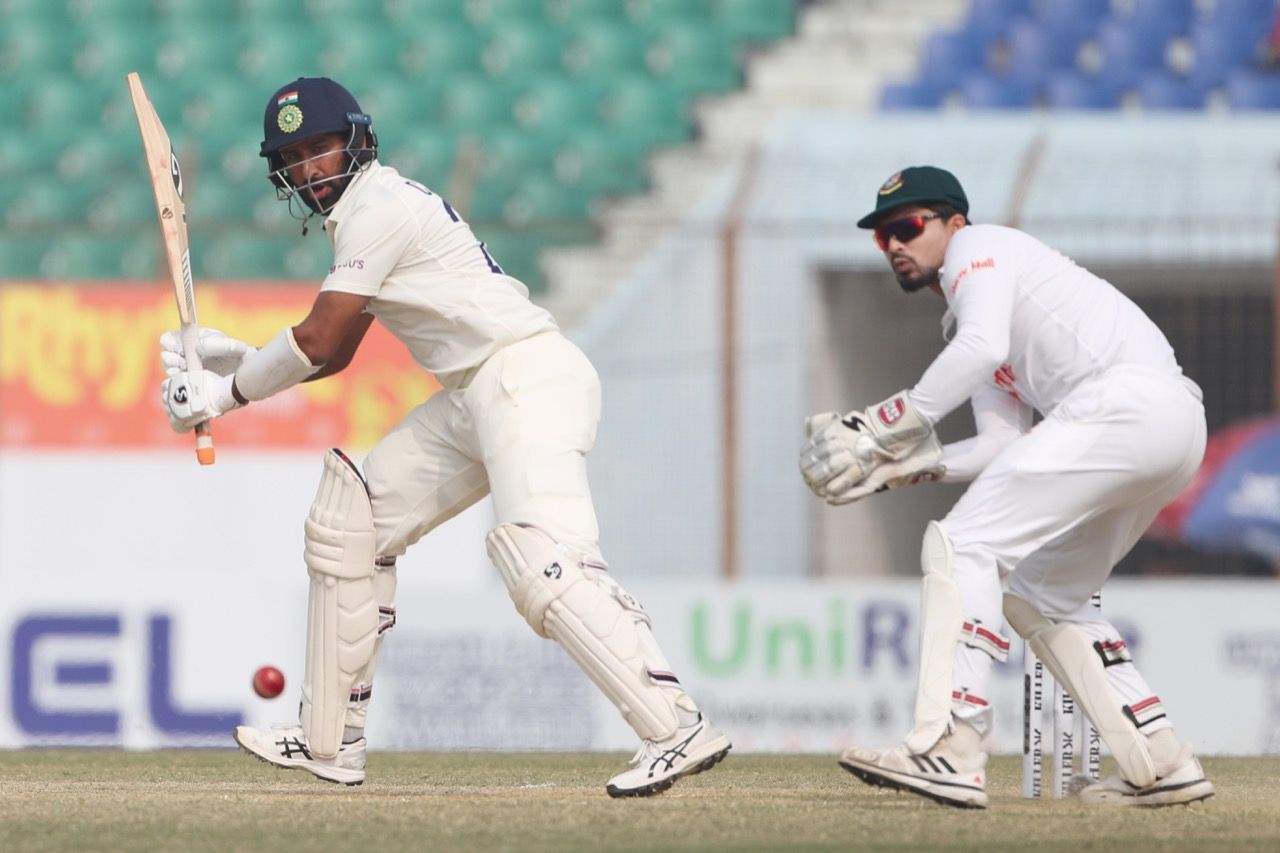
(194, 800)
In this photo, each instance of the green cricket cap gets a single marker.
(916, 185)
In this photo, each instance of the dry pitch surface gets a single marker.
(86, 800)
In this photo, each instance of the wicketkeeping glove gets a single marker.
(921, 465)
(841, 452)
(176, 391)
(218, 352)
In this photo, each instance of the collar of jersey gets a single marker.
(353, 189)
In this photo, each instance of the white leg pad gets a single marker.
(941, 621)
(342, 611)
(594, 620)
(1068, 654)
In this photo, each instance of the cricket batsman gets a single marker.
(515, 419)
(1050, 509)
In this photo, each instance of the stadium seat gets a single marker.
(1164, 91)
(58, 101)
(751, 20)
(991, 19)
(1073, 19)
(20, 254)
(644, 109)
(947, 56)
(441, 49)
(581, 11)
(1035, 53)
(351, 51)
(473, 102)
(1167, 17)
(603, 48)
(659, 13)
(45, 202)
(1248, 89)
(513, 51)
(427, 155)
(1128, 53)
(1252, 14)
(89, 256)
(1071, 90)
(417, 13)
(553, 105)
(693, 57)
(111, 51)
(1219, 49)
(601, 162)
(982, 91)
(124, 203)
(190, 53)
(910, 96)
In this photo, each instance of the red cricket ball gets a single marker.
(268, 682)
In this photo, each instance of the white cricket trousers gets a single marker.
(520, 430)
(1055, 511)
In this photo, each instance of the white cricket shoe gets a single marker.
(696, 746)
(1180, 779)
(285, 746)
(953, 772)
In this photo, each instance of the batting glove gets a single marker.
(190, 399)
(219, 353)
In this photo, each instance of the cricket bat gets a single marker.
(166, 182)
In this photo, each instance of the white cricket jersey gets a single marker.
(433, 284)
(1031, 321)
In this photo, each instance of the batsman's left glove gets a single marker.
(178, 394)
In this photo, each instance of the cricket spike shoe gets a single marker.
(953, 772)
(696, 746)
(1180, 779)
(285, 746)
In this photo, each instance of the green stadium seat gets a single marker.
(426, 155)
(20, 254)
(694, 58)
(194, 54)
(191, 14)
(493, 13)
(424, 14)
(92, 14)
(122, 204)
(213, 204)
(604, 48)
(512, 51)
(602, 162)
(554, 106)
(102, 256)
(351, 50)
(657, 13)
(260, 11)
(649, 111)
(247, 255)
(46, 202)
(541, 198)
(473, 102)
(576, 12)
(754, 20)
(441, 49)
(117, 153)
(63, 103)
(271, 57)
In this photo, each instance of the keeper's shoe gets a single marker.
(953, 772)
(1182, 782)
(285, 746)
(696, 746)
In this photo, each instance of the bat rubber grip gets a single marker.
(204, 444)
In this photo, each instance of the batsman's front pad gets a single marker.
(1066, 651)
(342, 610)
(596, 621)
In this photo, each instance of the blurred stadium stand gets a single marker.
(529, 113)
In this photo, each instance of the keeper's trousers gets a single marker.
(1054, 512)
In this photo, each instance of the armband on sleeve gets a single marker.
(277, 366)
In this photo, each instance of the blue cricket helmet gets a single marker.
(310, 106)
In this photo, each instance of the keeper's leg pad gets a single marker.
(593, 619)
(342, 611)
(1068, 654)
(941, 621)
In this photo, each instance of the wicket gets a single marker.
(1072, 732)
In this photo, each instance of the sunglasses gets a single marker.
(904, 230)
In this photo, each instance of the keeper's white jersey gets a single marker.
(1031, 321)
(433, 284)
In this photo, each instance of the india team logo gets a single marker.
(893, 184)
(289, 118)
(891, 411)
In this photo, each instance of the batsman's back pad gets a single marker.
(1067, 653)
(592, 618)
(342, 611)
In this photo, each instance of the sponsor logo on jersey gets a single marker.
(1007, 380)
(354, 264)
(289, 119)
(892, 185)
(891, 411)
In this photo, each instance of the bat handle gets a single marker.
(204, 443)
